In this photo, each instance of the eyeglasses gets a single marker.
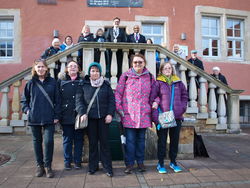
(72, 66)
(138, 62)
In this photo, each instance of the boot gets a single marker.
(39, 171)
(49, 172)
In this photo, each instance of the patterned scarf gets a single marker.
(98, 82)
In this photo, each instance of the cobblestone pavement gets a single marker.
(228, 167)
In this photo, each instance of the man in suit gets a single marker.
(115, 34)
(136, 37)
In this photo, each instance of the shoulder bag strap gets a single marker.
(92, 99)
(172, 98)
(45, 94)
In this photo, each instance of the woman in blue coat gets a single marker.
(40, 101)
(68, 83)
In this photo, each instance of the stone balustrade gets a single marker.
(202, 87)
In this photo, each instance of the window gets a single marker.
(6, 38)
(235, 38)
(210, 36)
(154, 32)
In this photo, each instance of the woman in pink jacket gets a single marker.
(132, 103)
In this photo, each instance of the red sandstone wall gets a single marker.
(39, 21)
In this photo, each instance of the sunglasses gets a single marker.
(138, 62)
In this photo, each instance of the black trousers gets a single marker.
(174, 134)
(98, 132)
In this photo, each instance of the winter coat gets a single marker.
(34, 101)
(221, 78)
(88, 38)
(104, 103)
(49, 52)
(132, 99)
(162, 91)
(67, 91)
(198, 63)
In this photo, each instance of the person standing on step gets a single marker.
(41, 102)
(160, 98)
(132, 103)
(72, 139)
(115, 34)
(95, 88)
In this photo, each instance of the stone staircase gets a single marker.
(204, 113)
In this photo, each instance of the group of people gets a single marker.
(137, 98)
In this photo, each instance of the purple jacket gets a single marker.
(161, 93)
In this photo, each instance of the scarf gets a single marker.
(97, 83)
(67, 46)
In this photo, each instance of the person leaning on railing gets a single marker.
(41, 102)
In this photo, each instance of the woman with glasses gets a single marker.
(162, 91)
(72, 139)
(132, 103)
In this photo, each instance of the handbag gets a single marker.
(167, 119)
(84, 124)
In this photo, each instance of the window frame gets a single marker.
(236, 39)
(152, 35)
(211, 37)
(8, 39)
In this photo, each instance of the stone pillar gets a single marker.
(113, 69)
(63, 64)
(51, 69)
(75, 55)
(202, 99)
(102, 61)
(221, 111)
(16, 101)
(4, 112)
(192, 94)
(151, 64)
(125, 61)
(87, 58)
(212, 105)
(183, 78)
(233, 113)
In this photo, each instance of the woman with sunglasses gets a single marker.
(132, 103)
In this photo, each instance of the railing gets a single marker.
(203, 104)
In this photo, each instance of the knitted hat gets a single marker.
(55, 40)
(216, 68)
(96, 65)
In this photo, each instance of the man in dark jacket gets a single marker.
(198, 63)
(136, 37)
(115, 34)
(55, 48)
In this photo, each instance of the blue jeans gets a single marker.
(135, 146)
(48, 135)
(72, 137)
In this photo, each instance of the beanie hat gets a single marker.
(96, 65)
(216, 68)
(55, 40)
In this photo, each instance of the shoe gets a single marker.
(109, 174)
(67, 166)
(40, 171)
(128, 169)
(141, 168)
(78, 166)
(91, 172)
(161, 169)
(175, 167)
(49, 172)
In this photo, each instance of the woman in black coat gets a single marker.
(68, 83)
(40, 101)
(99, 116)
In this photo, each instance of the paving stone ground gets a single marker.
(227, 167)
